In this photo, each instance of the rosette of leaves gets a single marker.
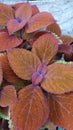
(17, 20)
(55, 79)
(44, 87)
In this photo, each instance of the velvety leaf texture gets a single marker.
(31, 111)
(24, 11)
(45, 47)
(8, 74)
(15, 25)
(7, 96)
(59, 79)
(8, 42)
(23, 62)
(1, 74)
(54, 28)
(22, 15)
(6, 13)
(61, 110)
(39, 21)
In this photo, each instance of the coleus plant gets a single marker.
(36, 86)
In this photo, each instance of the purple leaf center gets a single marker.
(19, 20)
(39, 75)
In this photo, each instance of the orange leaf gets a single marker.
(61, 110)
(22, 15)
(35, 36)
(8, 74)
(7, 96)
(45, 47)
(66, 39)
(35, 9)
(23, 63)
(7, 42)
(1, 74)
(54, 28)
(38, 21)
(31, 111)
(24, 11)
(59, 79)
(6, 13)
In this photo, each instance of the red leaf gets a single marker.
(8, 74)
(59, 79)
(3, 30)
(17, 5)
(39, 21)
(1, 74)
(35, 10)
(7, 42)
(61, 110)
(24, 11)
(65, 49)
(45, 47)
(23, 63)
(31, 111)
(7, 96)
(54, 28)
(6, 13)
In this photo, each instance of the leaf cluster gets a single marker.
(36, 69)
